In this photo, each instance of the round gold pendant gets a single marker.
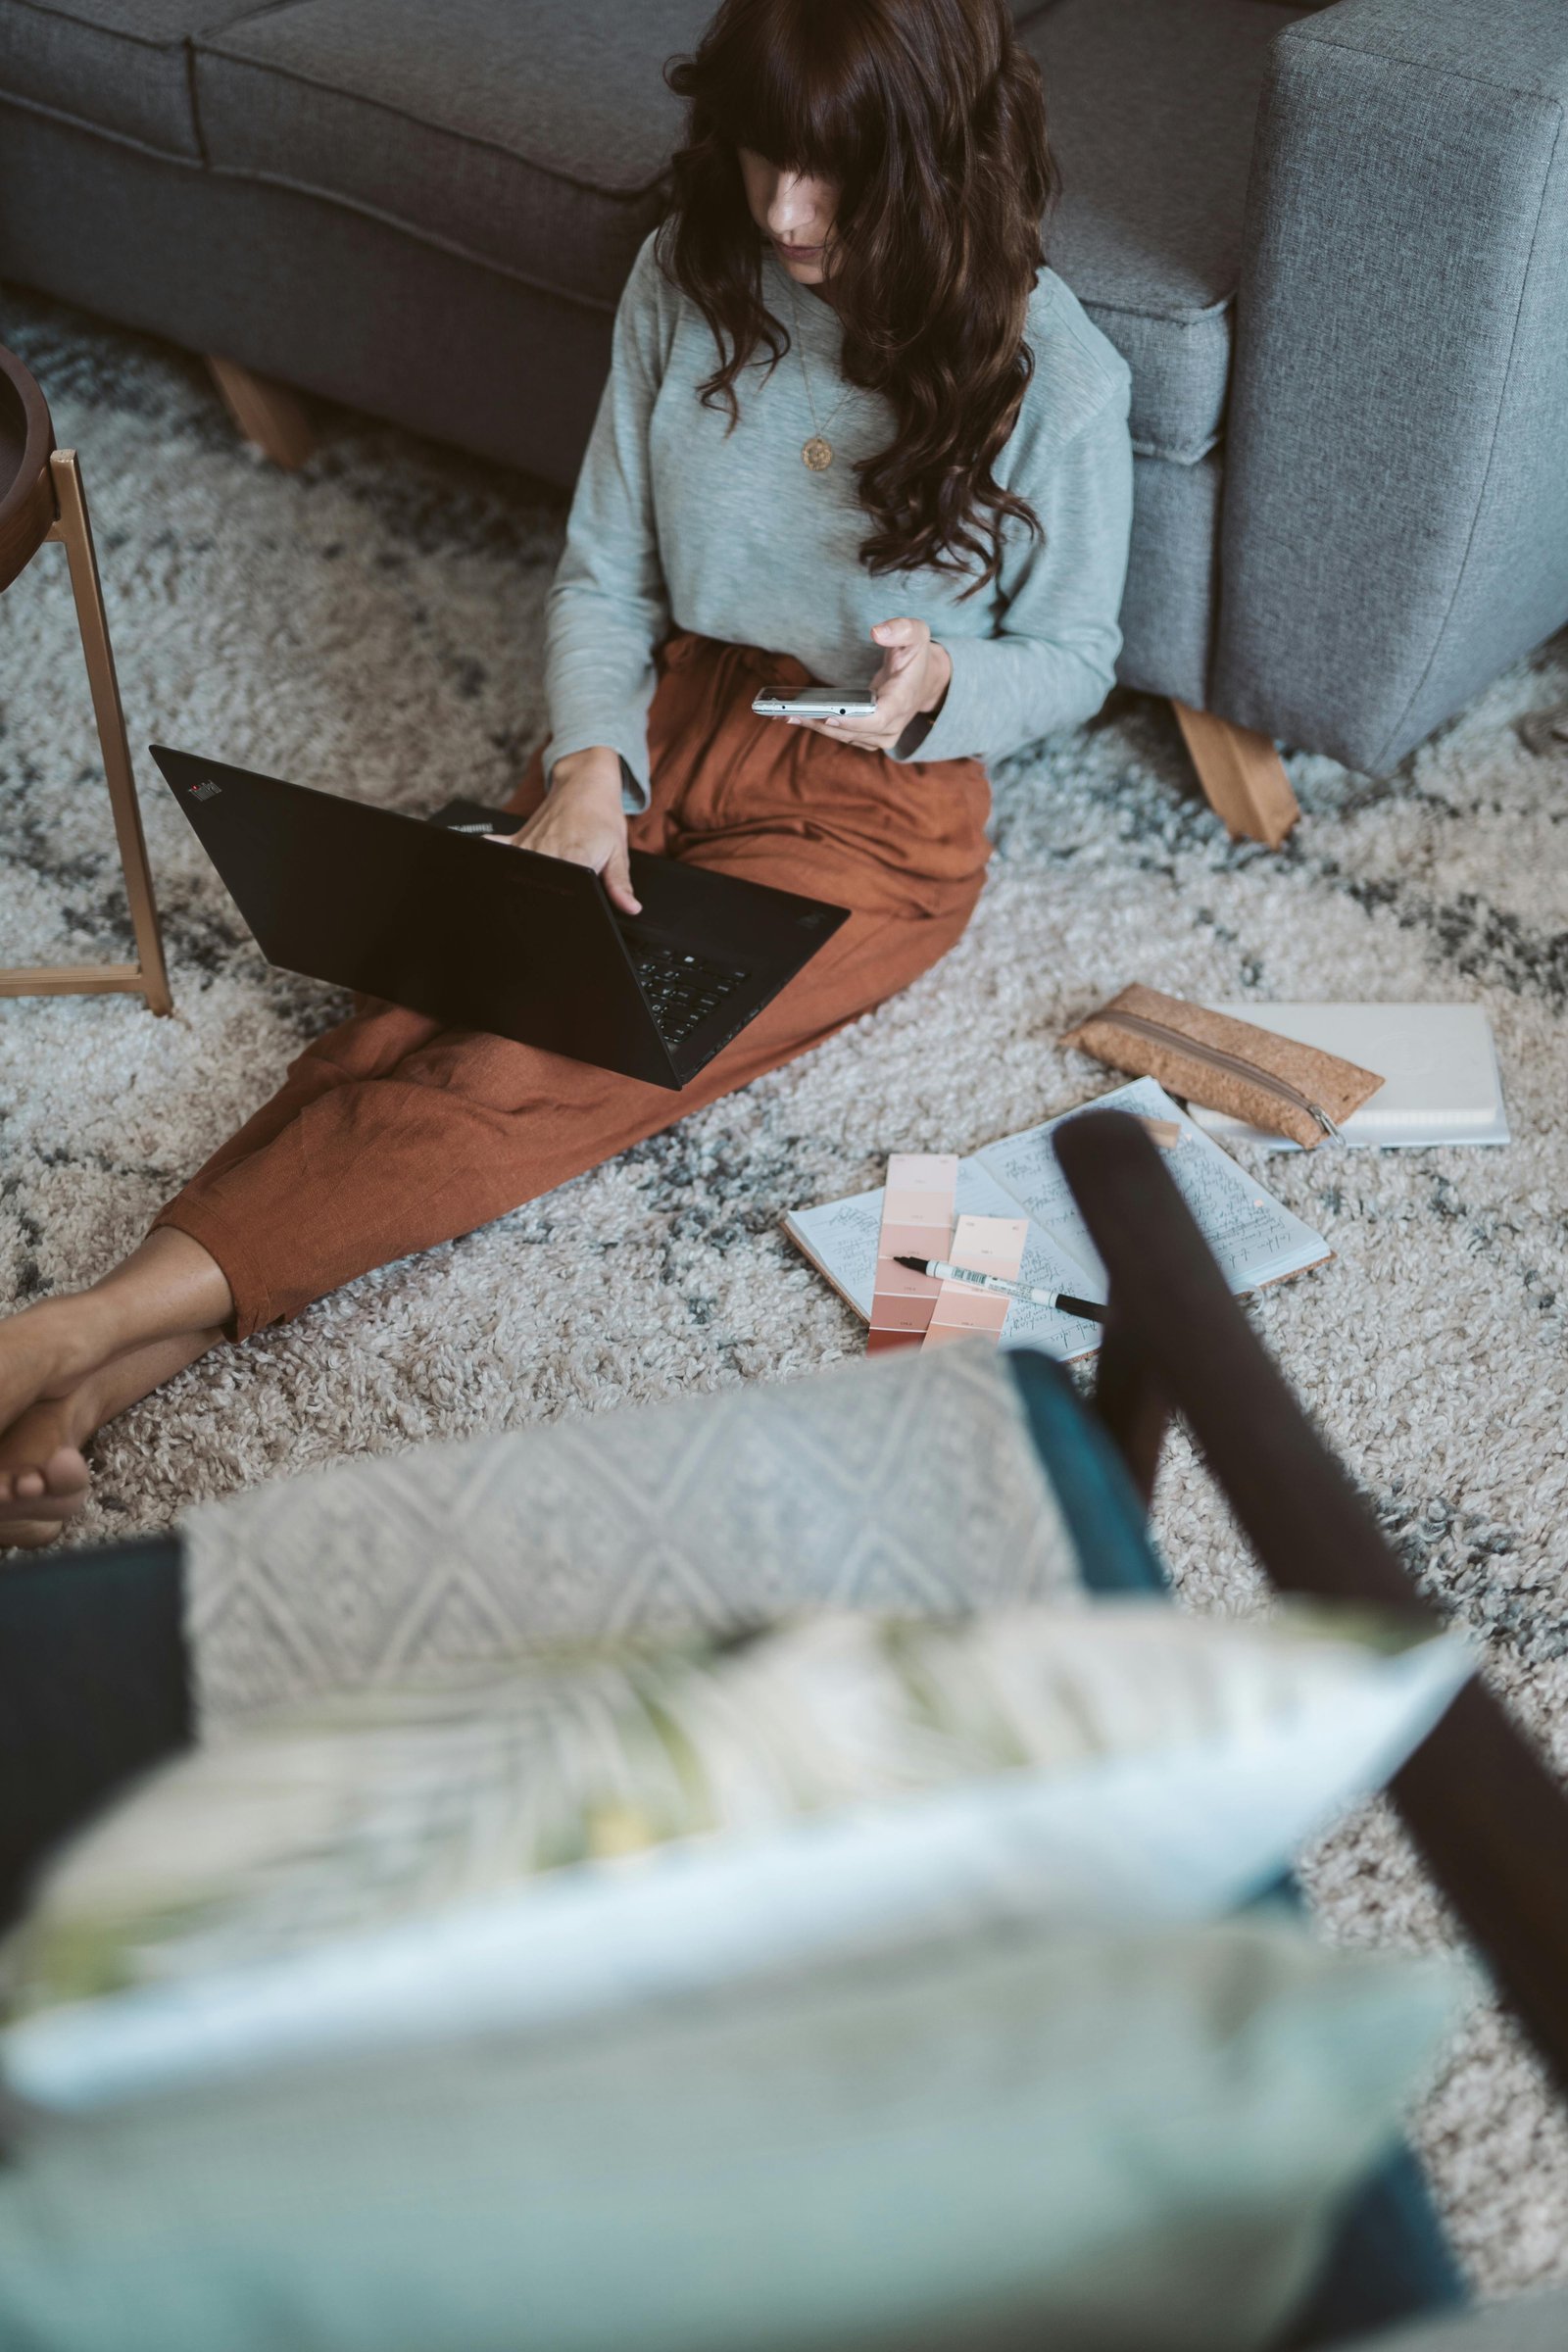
(819, 454)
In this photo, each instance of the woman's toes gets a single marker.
(46, 1495)
(27, 1535)
(67, 1476)
(66, 1480)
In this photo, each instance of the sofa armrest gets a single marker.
(1395, 516)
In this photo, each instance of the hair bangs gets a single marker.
(807, 102)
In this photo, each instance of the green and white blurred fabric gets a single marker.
(1103, 2144)
(578, 1831)
(874, 1980)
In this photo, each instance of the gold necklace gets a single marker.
(817, 453)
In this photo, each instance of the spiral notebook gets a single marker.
(1255, 1239)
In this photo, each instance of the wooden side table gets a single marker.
(41, 498)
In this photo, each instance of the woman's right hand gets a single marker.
(582, 819)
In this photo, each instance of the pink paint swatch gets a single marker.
(984, 1245)
(916, 1222)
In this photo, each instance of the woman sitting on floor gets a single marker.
(850, 412)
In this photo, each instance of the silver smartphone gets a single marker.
(816, 701)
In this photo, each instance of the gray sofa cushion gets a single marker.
(526, 135)
(1168, 613)
(118, 64)
(1151, 105)
(534, 137)
(529, 135)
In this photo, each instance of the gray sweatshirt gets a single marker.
(676, 526)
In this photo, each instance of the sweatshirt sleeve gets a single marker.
(1051, 660)
(608, 606)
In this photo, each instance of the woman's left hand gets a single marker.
(912, 679)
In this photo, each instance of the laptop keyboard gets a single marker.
(682, 990)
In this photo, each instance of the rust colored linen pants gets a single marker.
(391, 1133)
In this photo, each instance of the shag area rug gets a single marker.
(373, 624)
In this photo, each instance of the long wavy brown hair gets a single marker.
(930, 116)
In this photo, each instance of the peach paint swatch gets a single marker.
(916, 1222)
(985, 1246)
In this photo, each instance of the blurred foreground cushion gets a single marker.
(1011, 2135)
(1530, 2322)
(577, 1829)
(921, 1484)
(479, 1986)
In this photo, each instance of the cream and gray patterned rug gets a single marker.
(373, 625)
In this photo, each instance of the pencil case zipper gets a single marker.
(1217, 1059)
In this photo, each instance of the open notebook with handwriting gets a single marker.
(1255, 1238)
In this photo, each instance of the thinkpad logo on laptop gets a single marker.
(205, 790)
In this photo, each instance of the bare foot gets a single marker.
(70, 1364)
(48, 1350)
(48, 1354)
(168, 1289)
(43, 1478)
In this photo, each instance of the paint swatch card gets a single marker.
(1256, 1238)
(983, 1246)
(916, 1222)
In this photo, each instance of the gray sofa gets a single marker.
(1332, 242)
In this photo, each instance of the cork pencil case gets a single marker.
(1226, 1065)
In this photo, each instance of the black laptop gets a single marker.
(427, 913)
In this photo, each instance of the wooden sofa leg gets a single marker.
(266, 412)
(1242, 775)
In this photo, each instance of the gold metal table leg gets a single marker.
(74, 533)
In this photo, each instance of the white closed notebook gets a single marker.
(1440, 1067)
